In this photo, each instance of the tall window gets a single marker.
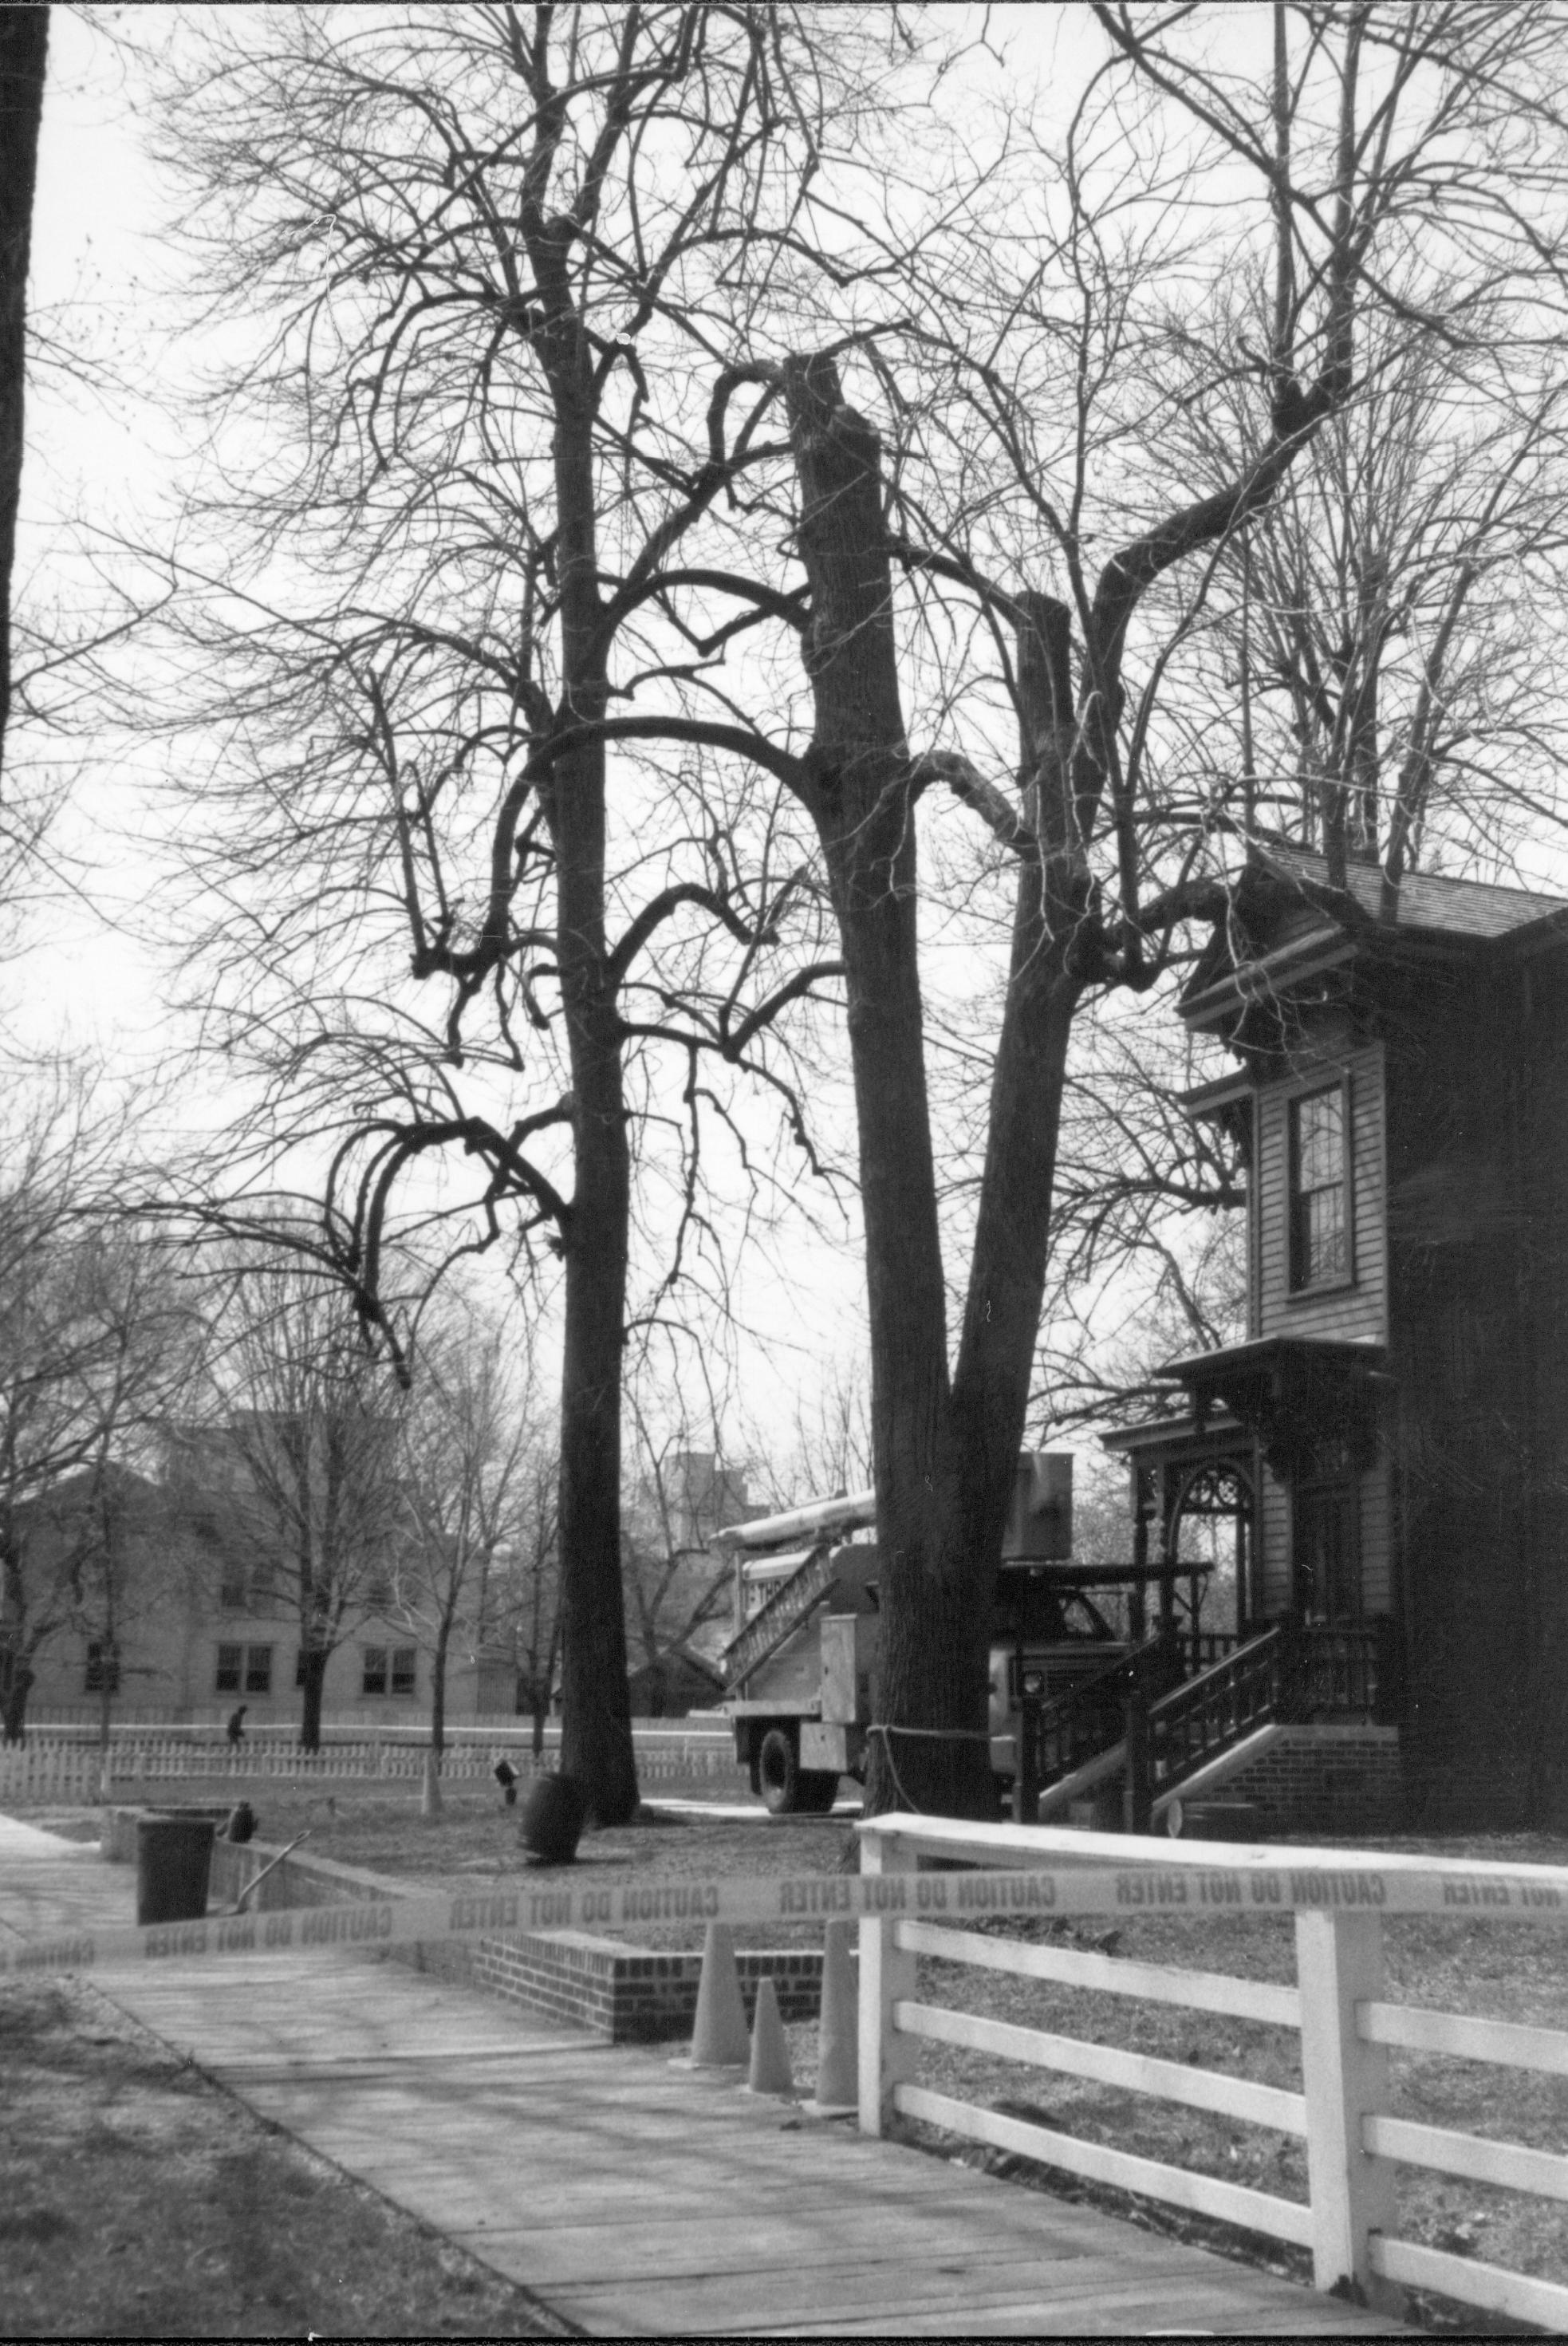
(375, 1671)
(1320, 1219)
(103, 1672)
(404, 1668)
(247, 1668)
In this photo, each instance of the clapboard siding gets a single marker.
(1376, 1497)
(1358, 1311)
(1275, 1546)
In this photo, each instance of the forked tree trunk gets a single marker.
(935, 1608)
(945, 1450)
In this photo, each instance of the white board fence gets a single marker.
(1354, 2139)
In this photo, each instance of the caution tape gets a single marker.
(372, 1924)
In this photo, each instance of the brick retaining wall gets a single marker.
(627, 1994)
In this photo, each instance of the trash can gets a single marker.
(173, 1861)
(553, 1818)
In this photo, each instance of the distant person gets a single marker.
(241, 1825)
(237, 1726)
(505, 1775)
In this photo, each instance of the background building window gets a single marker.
(230, 1669)
(375, 1676)
(1319, 1224)
(258, 1670)
(404, 1668)
(379, 1591)
(103, 1672)
(232, 1588)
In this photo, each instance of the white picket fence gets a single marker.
(65, 1769)
(1355, 2139)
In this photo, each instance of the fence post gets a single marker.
(1338, 1964)
(887, 1975)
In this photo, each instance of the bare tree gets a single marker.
(301, 1433)
(1031, 370)
(541, 251)
(471, 1434)
(522, 1614)
(1365, 129)
(683, 1494)
(96, 1341)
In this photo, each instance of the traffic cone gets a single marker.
(720, 2039)
(838, 2043)
(771, 2071)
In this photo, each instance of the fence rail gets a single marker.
(1354, 2138)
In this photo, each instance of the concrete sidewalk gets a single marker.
(633, 2198)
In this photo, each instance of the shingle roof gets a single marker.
(1468, 908)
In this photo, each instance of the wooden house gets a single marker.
(1390, 1440)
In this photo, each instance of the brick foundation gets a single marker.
(1327, 1781)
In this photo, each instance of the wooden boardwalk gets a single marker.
(631, 2197)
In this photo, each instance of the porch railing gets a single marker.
(1171, 1723)
(1210, 1713)
(1059, 1735)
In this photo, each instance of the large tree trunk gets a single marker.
(944, 1454)
(23, 51)
(596, 1724)
(1013, 1224)
(311, 1702)
(934, 1597)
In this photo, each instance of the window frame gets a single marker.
(258, 1681)
(1299, 1288)
(228, 1678)
(373, 1663)
(102, 1663)
(403, 1683)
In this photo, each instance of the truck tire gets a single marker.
(789, 1790)
(778, 1772)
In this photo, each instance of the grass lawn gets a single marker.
(139, 2200)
